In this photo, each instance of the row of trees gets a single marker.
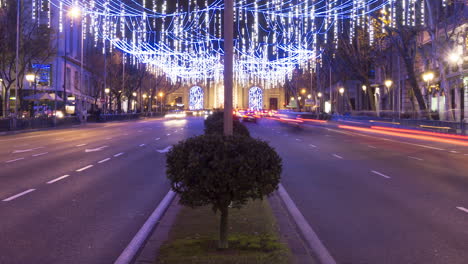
(39, 44)
(359, 60)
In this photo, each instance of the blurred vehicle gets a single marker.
(176, 114)
(247, 116)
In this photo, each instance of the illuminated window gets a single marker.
(196, 98)
(256, 98)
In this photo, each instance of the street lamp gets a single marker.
(454, 57)
(107, 92)
(161, 94)
(303, 91)
(309, 96)
(342, 90)
(364, 89)
(320, 95)
(388, 84)
(31, 78)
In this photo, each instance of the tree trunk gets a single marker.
(223, 228)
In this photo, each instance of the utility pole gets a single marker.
(18, 7)
(228, 65)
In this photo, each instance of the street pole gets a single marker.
(83, 117)
(331, 91)
(18, 7)
(228, 65)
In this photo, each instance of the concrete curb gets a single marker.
(131, 251)
(309, 235)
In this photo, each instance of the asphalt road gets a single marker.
(376, 199)
(80, 195)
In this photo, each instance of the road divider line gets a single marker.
(371, 146)
(142, 145)
(381, 174)
(157, 139)
(81, 145)
(18, 195)
(10, 161)
(337, 156)
(104, 160)
(312, 145)
(168, 134)
(130, 252)
(84, 168)
(462, 209)
(119, 154)
(40, 154)
(454, 151)
(297, 139)
(416, 158)
(308, 233)
(58, 179)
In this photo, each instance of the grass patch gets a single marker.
(253, 237)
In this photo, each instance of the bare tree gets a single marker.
(35, 47)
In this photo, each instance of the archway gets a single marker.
(255, 98)
(196, 98)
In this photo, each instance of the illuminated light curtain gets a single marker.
(196, 99)
(256, 98)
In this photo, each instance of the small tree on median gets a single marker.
(220, 171)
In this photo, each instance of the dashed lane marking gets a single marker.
(40, 154)
(84, 168)
(58, 179)
(18, 195)
(462, 209)
(372, 147)
(104, 160)
(118, 155)
(14, 160)
(313, 146)
(157, 139)
(142, 145)
(337, 156)
(81, 145)
(416, 158)
(381, 174)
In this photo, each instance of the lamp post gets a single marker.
(454, 58)
(31, 78)
(75, 12)
(364, 89)
(144, 102)
(342, 90)
(134, 94)
(107, 92)
(161, 94)
(428, 77)
(388, 84)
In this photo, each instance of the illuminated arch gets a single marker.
(196, 98)
(255, 98)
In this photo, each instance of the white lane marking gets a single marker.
(109, 138)
(139, 131)
(454, 151)
(96, 149)
(81, 145)
(327, 135)
(40, 154)
(297, 139)
(416, 158)
(371, 146)
(84, 168)
(10, 161)
(142, 145)
(165, 150)
(381, 174)
(313, 146)
(157, 139)
(104, 160)
(118, 155)
(59, 139)
(25, 150)
(462, 209)
(337, 156)
(58, 179)
(18, 195)
(125, 134)
(168, 134)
